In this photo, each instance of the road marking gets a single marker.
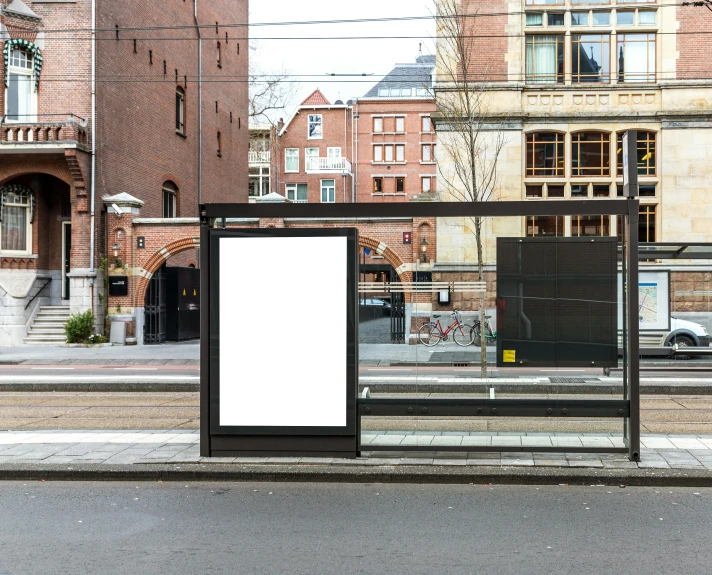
(138, 368)
(561, 370)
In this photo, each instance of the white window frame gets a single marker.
(388, 153)
(378, 125)
(28, 230)
(423, 121)
(378, 153)
(30, 72)
(309, 155)
(315, 119)
(333, 153)
(287, 158)
(400, 152)
(429, 158)
(294, 190)
(426, 188)
(327, 188)
(400, 129)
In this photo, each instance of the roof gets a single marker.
(406, 80)
(19, 7)
(316, 99)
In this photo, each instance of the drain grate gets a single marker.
(573, 379)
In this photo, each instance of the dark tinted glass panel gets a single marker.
(535, 191)
(555, 191)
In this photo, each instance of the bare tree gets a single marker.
(470, 137)
(270, 92)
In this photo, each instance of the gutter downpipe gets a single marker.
(92, 232)
(200, 105)
(354, 144)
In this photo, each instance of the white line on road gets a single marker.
(137, 368)
(560, 370)
(98, 378)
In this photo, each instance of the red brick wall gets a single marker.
(486, 39)
(336, 125)
(137, 142)
(413, 139)
(693, 43)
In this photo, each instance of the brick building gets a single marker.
(565, 79)
(157, 151)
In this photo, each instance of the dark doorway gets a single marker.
(381, 315)
(172, 306)
(66, 264)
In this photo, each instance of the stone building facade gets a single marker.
(152, 140)
(564, 79)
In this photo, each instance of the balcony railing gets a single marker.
(259, 157)
(328, 165)
(45, 129)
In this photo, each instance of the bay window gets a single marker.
(545, 59)
(15, 220)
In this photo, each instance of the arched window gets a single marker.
(16, 210)
(180, 110)
(545, 155)
(21, 103)
(170, 200)
(590, 154)
(646, 153)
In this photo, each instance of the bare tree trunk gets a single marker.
(481, 277)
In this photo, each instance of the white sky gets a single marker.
(319, 57)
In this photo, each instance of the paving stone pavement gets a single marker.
(182, 446)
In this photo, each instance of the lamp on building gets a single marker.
(424, 248)
(116, 253)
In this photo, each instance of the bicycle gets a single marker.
(430, 334)
(490, 332)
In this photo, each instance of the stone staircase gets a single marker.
(48, 327)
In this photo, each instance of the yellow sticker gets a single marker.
(183, 291)
(509, 356)
(195, 292)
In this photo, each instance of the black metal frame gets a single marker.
(155, 309)
(628, 207)
(226, 441)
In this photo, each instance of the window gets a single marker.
(589, 2)
(579, 18)
(545, 226)
(383, 92)
(588, 226)
(625, 18)
(400, 124)
(544, 2)
(328, 191)
(21, 101)
(378, 185)
(400, 153)
(601, 18)
(646, 153)
(556, 19)
(291, 160)
(545, 59)
(377, 153)
(259, 182)
(579, 190)
(15, 227)
(400, 185)
(426, 184)
(378, 124)
(406, 92)
(297, 193)
(554, 191)
(601, 190)
(219, 56)
(421, 91)
(389, 153)
(646, 225)
(545, 154)
(315, 127)
(180, 110)
(427, 155)
(636, 57)
(591, 58)
(311, 159)
(170, 194)
(590, 154)
(647, 17)
(333, 153)
(426, 124)
(535, 19)
(534, 191)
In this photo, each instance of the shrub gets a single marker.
(96, 339)
(79, 327)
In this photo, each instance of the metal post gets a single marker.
(633, 343)
(204, 335)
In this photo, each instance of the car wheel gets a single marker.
(682, 341)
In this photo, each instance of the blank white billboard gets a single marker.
(283, 331)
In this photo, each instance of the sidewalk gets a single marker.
(174, 455)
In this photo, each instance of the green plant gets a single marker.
(79, 327)
(96, 339)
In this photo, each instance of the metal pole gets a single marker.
(633, 319)
(204, 336)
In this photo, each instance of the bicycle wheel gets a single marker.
(477, 335)
(429, 334)
(464, 335)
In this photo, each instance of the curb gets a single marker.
(353, 474)
(122, 387)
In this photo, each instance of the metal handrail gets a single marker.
(39, 291)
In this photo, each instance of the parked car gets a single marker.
(377, 304)
(682, 333)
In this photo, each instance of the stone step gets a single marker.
(35, 330)
(56, 339)
(60, 307)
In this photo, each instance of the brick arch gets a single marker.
(391, 257)
(154, 263)
(65, 178)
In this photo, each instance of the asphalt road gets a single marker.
(121, 528)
